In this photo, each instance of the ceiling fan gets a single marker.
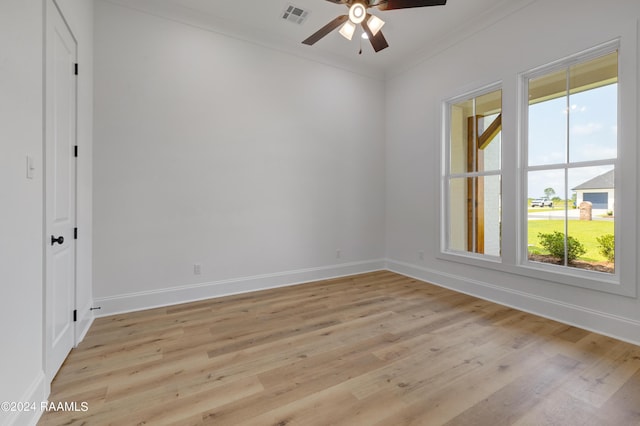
(371, 24)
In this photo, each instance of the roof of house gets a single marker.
(604, 181)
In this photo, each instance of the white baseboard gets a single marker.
(588, 319)
(184, 294)
(599, 322)
(36, 394)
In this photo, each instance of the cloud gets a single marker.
(574, 108)
(586, 129)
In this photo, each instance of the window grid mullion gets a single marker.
(567, 162)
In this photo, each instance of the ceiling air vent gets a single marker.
(295, 14)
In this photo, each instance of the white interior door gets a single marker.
(60, 190)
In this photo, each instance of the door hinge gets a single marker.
(75, 233)
(75, 69)
(75, 151)
(75, 315)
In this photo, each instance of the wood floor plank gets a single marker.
(452, 394)
(328, 407)
(376, 348)
(623, 407)
(302, 377)
(513, 401)
(561, 408)
(606, 376)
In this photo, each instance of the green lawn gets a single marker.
(544, 209)
(584, 231)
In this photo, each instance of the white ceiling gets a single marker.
(412, 34)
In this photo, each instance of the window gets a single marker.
(567, 189)
(473, 174)
(571, 151)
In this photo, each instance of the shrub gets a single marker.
(554, 244)
(607, 244)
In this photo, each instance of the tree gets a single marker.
(549, 192)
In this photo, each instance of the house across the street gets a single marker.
(599, 191)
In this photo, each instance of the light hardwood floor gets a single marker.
(372, 349)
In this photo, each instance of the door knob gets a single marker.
(58, 240)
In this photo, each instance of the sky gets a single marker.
(593, 128)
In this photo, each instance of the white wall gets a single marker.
(256, 164)
(542, 32)
(21, 211)
(21, 224)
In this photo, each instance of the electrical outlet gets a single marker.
(197, 269)
(421, 255)
(338, 253)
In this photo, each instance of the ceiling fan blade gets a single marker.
(378, 41)
(313, 39)
(339, 1)
(407, 4)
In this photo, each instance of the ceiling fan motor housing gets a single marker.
(357, 12)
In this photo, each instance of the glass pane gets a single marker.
(475, 215)
(490, 224)
(593, 109)
(458, 213)
(591, 222)
(546, 210)
(593, 133)
(475, 144)
(489, 103)
(547, 141)
(594, 73)
(490, 150)
(459, 144)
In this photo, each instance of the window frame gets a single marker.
(446, 175)
(619, 281)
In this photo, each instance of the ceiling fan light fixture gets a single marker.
(347, 30)
(357, 16)
(357, 13)
(375, 24)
